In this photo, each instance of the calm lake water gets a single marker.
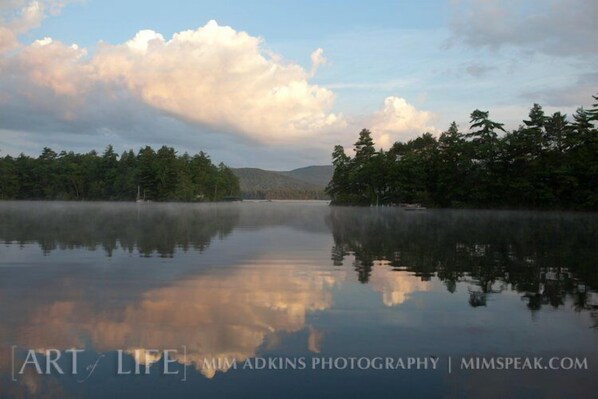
(280, 296)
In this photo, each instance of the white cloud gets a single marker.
(52, 65)
(213, 76)
(220, 77)
(18, 17)
(399, 121)
(212, 88)
(317, 59)
(142, 40)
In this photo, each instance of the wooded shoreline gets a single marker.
(549, 162)
(159, 175)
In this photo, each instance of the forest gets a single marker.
(160, 175)
(548, 162)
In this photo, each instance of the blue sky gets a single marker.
(279, 21)
(397, 67)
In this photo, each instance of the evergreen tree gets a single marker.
(547, 162)
(160, 176)
(361, 169)
(339, 186)
(593, 112)
(453, 167)
(364, 147)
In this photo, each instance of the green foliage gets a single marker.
(159, 175)
(548, 162)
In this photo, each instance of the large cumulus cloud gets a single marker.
(213, 76)
(213, 81)
(220, 77)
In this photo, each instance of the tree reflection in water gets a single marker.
(157, 229)
(543, 256)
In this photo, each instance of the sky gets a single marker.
(276, 84)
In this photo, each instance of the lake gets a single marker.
(295, 299)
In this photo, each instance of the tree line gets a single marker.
(547, 162)
(160, 175)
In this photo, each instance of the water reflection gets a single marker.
(236, 281)
(543, 256)
(229, 312)
(214, 316)
(147, 229)
(395, 286)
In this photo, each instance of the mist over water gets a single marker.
(250, 280)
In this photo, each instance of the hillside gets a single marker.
(252, 179)
(318, 175)
(302, 183)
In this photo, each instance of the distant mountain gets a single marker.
(302, 183)
(319, 175)
(252, 179)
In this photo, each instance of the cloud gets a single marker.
(555, 27)
(220, 77)
(213, 76)
(399, 121)
(18, 17)
(14, 23)
(317, 59)
(50, 65)
(212, 88)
